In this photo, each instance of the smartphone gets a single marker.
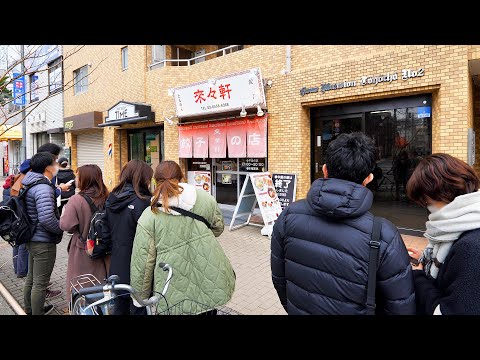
(70, 182)
(413, 261)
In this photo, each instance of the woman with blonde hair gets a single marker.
(180, 228)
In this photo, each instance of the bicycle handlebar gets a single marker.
(133, 293)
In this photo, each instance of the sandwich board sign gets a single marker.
(286, 187)
(257, 188)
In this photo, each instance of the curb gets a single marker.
(11, 301)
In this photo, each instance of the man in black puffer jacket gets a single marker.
(42, 248)
(320, 246)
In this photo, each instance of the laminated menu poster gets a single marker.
(202, 180)
(267, 197)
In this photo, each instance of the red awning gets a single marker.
(242, 137)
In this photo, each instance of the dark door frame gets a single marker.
(313, 126)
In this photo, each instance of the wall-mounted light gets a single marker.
(268, 83)
(259, 111)
(243, 113)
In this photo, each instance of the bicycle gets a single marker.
(97, 299)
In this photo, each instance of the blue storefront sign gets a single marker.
(18, 89)
(424, 112)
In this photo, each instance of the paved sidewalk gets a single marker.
(248, 251)
(5, 309)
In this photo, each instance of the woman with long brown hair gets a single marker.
(180, 228)
(75, 219)
(446, 279)
(123, 208)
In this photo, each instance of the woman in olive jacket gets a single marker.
(123, 208)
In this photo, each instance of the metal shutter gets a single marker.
(90, 149)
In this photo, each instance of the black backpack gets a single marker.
(16, 227)
(95, 246)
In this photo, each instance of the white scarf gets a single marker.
(186, 200)
(447, 225)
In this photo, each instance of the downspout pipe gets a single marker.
(288, 59)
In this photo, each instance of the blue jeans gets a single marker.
(20, 260)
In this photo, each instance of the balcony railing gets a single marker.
(224, 51)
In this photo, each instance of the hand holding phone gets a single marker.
(70, 182)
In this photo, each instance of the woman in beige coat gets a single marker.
(75, 219)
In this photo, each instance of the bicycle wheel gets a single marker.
(79, 306)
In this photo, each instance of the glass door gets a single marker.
(327, 130)
(226, 180)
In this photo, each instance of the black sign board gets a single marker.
(252, 165)
(286, 187)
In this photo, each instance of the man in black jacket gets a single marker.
(320, 245)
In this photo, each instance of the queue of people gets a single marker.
(329, 254)
(322, 246)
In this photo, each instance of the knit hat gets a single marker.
(25, 167)
(63, 162)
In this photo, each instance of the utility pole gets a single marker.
(23, 155)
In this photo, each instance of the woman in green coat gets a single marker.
(201, 270)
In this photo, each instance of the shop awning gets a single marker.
(241, 137)
(124, 121)
(14, 133)
(126, 112)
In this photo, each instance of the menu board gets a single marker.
(202, 180)
(266, 195)
(286, 186)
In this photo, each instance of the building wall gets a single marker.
(50, 108)
(108, 84)
(446, 77)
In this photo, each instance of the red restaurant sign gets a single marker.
(242, 138)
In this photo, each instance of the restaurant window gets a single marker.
(55, 76)
(80, 80)
(125, 58)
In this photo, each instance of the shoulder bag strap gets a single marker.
(372, 265)
(93, 209)
(89, 202)
(190, 214)
(28, 187)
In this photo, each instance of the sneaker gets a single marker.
(51, 294)
(21, 276)
(49, 309)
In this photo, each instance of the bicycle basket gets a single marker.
(77, 283)
(190, 307)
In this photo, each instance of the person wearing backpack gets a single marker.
(77, 218)
(20, 253)
(65, 176)
(124, 206)
(322, 246)
(40, 203)
(180, 228)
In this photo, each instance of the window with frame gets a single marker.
(34, 95)
(80, 80)
(55, 76)
(125, 58)
(158, 53)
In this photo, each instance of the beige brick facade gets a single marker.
(446, 78)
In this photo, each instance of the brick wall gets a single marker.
(446, 77)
